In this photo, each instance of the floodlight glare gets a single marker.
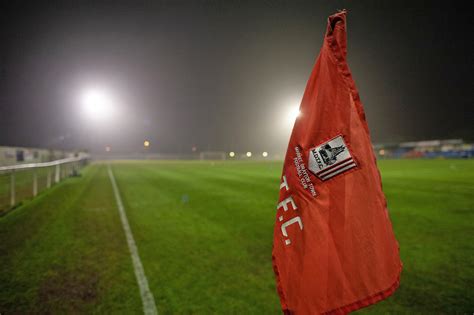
(231, 154)
(97, 104)
(265, 154)
(249, 154)
(146, 143)
(293, 113)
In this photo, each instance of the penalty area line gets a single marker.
(148, 301)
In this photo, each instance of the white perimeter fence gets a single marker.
(23, 181)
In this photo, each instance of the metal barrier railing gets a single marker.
(21, 181)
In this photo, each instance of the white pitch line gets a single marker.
(148, 301)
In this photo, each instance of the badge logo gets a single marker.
(330, 159)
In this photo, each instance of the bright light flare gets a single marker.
(232, 154)
(265, 154)
(292, 114)
(97, 104)
(146, 143)
(249, 154)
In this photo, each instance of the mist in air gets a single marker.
(219, 76)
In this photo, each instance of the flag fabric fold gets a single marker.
(334, 248)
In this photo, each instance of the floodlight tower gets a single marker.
(99, 110)
(97, 104)
(292, 114)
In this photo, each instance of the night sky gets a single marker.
(221, 75)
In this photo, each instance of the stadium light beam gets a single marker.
(292, 114)
(231, 154)
(249, 154)
(97, 104)
(265, 154)
(146, 143)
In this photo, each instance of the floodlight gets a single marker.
(265, 154)
(146, 143)
(292, 114)
(97, 104)
(249, 154)
(232, 154)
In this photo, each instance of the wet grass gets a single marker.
(204, 234)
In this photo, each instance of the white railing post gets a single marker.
(35, 183)
(57, 174)
(12, 188)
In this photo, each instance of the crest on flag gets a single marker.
(330, 158)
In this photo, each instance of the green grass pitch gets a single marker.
(204, 234)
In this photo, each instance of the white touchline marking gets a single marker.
(148, 301)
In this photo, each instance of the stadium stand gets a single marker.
(450, 148)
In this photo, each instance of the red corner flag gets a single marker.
(334, 250)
